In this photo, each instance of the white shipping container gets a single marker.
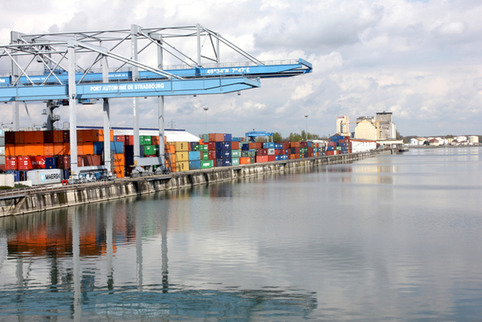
(47, 176)
(2, 150)
(7, 180)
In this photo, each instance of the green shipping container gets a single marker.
(145, 140)
(205, 156)
(206, 164)
(150, 149)
(201, 147)
(235, 161)
(235, 154)
(253, 160)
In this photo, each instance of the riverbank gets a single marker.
(23, 201)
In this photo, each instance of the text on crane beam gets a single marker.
(232, 70)
(125, 87)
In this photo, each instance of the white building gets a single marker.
(358, 145)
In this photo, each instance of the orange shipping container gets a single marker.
(34, 149)
(119, 172)
(48, 149)
(61, 148)
(118, 160)
(170, 148)
(10, 150)
(155, 140)
(85, 148)
(244, 160)
(19, 149)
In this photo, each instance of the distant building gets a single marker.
(387, 129)
(343, 125)
(363, 145)
(473, 139)
(366, 128)
(379, 127)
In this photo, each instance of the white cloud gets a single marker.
(418, 59)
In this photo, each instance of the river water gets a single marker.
(391, 237)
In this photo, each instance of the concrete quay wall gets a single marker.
(23, 201)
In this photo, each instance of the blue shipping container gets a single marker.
(51, 163)
(194, 156)
(195, 165)
(223, 162)
(223, 154)
(115, 147)
(227, 137)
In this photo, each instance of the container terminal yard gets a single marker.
(72, 69)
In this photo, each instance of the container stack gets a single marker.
(44, 150)
(248, 153)
(182, 156)
(339, 144)
(200, 159)
(2, 150)
(219, 149)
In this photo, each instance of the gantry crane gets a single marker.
(66, 68)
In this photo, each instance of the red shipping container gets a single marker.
(24, 163)
(11, 163)
(129, 140)
(216, 137)
(211, 155)
(212, 145)
(66, 136)
(256, 145)
(19, 138)
(271, 158)
(48, 136)
(63, 162)
(234, 145)
(261, 158)
(261, 152)
(120, 138)
(38, 162)
(9, 137)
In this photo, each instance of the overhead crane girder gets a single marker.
(63, 77)
(129, 89)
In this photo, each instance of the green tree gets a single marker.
(277, 137)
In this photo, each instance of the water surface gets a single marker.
(392, 237)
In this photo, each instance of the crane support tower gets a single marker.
(68, 68)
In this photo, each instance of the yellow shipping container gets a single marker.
(182, 166)
(182, 156)
(182, 146)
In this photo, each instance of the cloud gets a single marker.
(418, 59)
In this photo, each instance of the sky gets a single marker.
(419, 59)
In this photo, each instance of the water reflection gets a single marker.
(78, 263)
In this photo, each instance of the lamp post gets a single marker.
(306, 125)
(205, 108)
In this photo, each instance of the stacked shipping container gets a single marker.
(26, 151)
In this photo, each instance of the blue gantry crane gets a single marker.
(69, 68)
